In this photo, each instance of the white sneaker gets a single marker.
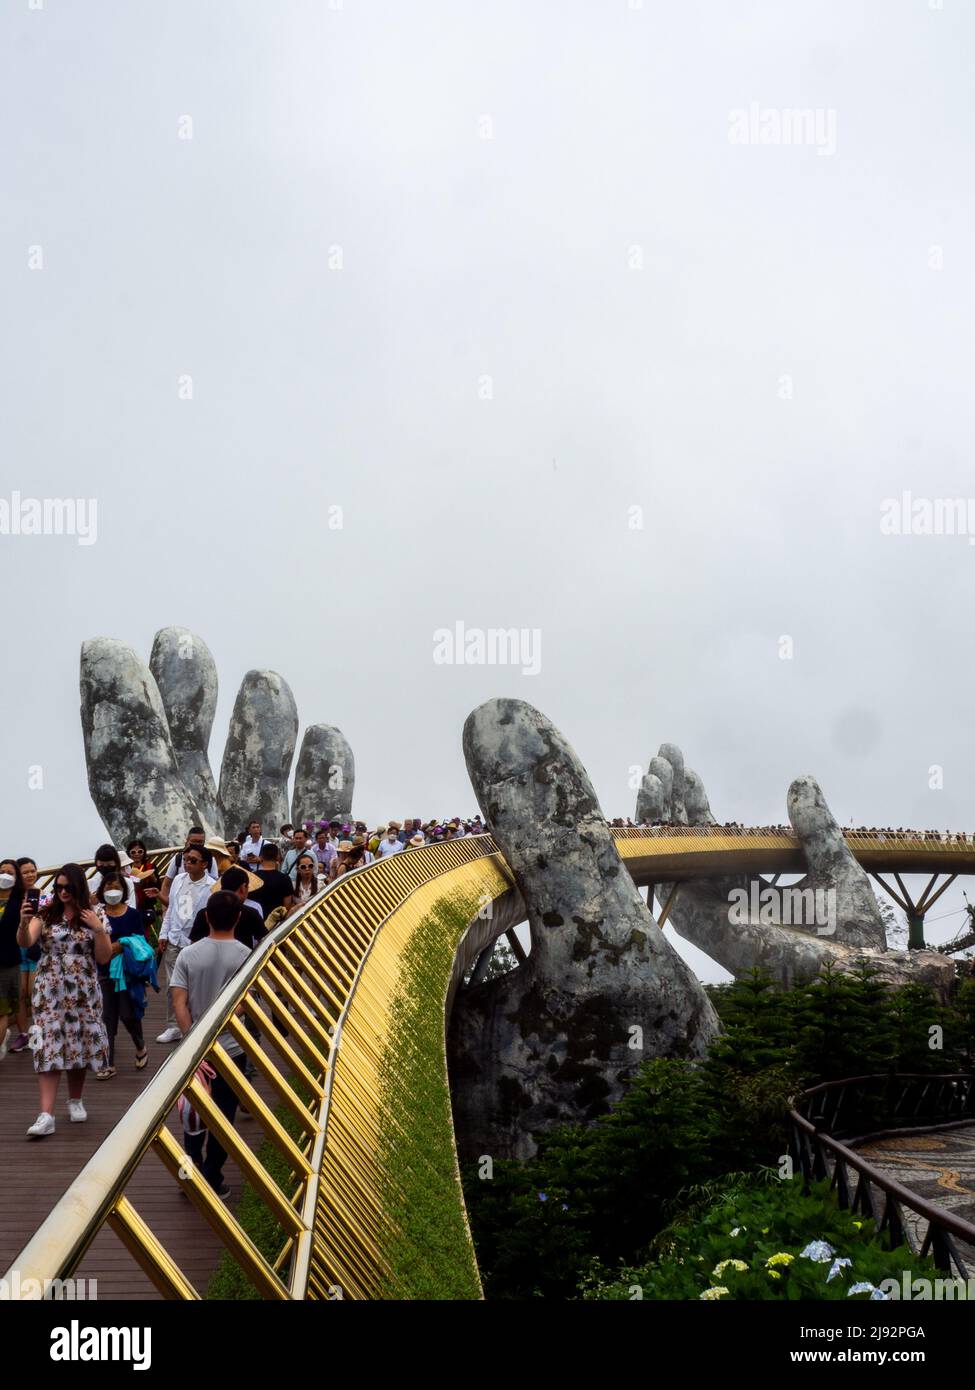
(3, 1045)
(44, 1124)
(173, 1034)
(77, 1111)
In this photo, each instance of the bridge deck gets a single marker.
(38, 1172)
(670, 854)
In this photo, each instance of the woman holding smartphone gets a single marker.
(69, 1032)
(9, 951)
(29, 897)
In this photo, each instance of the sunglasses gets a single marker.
(64, 888)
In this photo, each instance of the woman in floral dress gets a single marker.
(68, 1033)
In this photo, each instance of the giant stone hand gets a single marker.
(147, 731)
(553, 1041)
(702, 911)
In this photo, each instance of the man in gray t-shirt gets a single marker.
(199, 975)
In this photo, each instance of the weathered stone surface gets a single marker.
(675, 758)
(553, 1040)
(186, 675)
(324, 777)
(701, 911)
(661, 769)
(696, 800)
(259, 752)
(133, 773)
(652, 801)
(832, 866)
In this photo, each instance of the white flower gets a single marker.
(719, 1269)
(711, 1294)
(819, 1251)
(738, 1230)
(866, 1288)
(835, 1268)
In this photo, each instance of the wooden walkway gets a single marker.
(37, 1172)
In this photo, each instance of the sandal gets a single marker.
(141, 1058)
(104, 1074)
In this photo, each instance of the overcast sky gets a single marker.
(486, 278)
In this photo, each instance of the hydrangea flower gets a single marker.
(874, 1293)
(738, 1230)
(719, 1269)
(709, 1295)
(835, 1268)
(780, 1259)
(819, 1251)
(774, 1274)
(543, 1196)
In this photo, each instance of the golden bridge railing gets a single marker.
(319, 991)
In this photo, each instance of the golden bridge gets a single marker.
(350, 1160)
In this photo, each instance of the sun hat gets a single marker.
(253, 882)
(417, 840)
(345, 846)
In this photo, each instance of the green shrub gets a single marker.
(769, 1242)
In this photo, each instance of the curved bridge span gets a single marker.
(342, 1012)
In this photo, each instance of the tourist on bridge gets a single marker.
(302, 845)
(108, 862)
(195, 839)
(147, 885)
(68, 1032)
(253, 844)
(306, 879)
(359, 843)
(250, 928)
(11, 903)
(118, 1004)
(392, 843)
(276, 888)
(325, 851)
(201, 973)
(188, 891)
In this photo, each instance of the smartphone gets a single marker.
(33, 896)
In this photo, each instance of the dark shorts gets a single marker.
(9, 989)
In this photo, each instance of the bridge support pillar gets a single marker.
(915, 931)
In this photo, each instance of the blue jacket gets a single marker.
(133, 968)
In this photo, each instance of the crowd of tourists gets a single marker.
(879, 832)
(78, 959)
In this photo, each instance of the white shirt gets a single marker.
(251, 847)
(185, 900)
(388, 847)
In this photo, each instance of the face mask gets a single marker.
(7, 880)
(113, 896)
